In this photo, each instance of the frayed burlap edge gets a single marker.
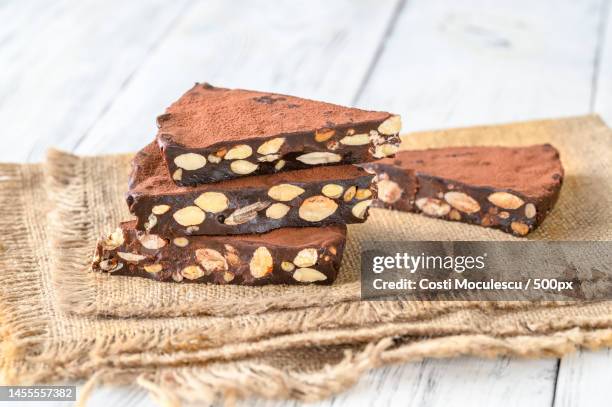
(22, 329)
(67, 230)
(260, 380)
(243, 379)
(82, 360)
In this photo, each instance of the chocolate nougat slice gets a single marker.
(283, 256)
(508, 188)
(312, 197)
(213, 134)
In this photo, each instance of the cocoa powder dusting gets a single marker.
(534, 171)
(206, 115)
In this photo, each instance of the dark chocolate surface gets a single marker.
(225, 260)
(512, 189)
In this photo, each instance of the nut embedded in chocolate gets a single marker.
(283, 256)
(512, 189)
(312, 197)
(213, 134)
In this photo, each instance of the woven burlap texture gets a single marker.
(53, 334)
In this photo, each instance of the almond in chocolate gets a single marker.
(214, 134)
(312, 197)
(284, 256)
(508, 188)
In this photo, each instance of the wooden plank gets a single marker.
(464, 381)
(471, 62)
(317, 49)
(602, 94)
(473, 383)
(584, 379)
(474, 61)
(122, 396)
(103, 396)
(61, 65)
(433, 383)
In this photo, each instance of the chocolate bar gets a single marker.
(213, 134)
(313, 197)
(512, 189)
(284, 256)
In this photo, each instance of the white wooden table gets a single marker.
(91, 76)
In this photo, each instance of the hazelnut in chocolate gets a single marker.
(507, 188)
(315, 196)
(213, 134)
(283, 256)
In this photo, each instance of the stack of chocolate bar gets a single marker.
(253, 188)
(244, 187)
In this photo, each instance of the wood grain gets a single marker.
(64, 62)
(584, 379)
(464, 381)
(473, 384)
(474, 61)
(602, 80)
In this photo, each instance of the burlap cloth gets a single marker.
(59, 322)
